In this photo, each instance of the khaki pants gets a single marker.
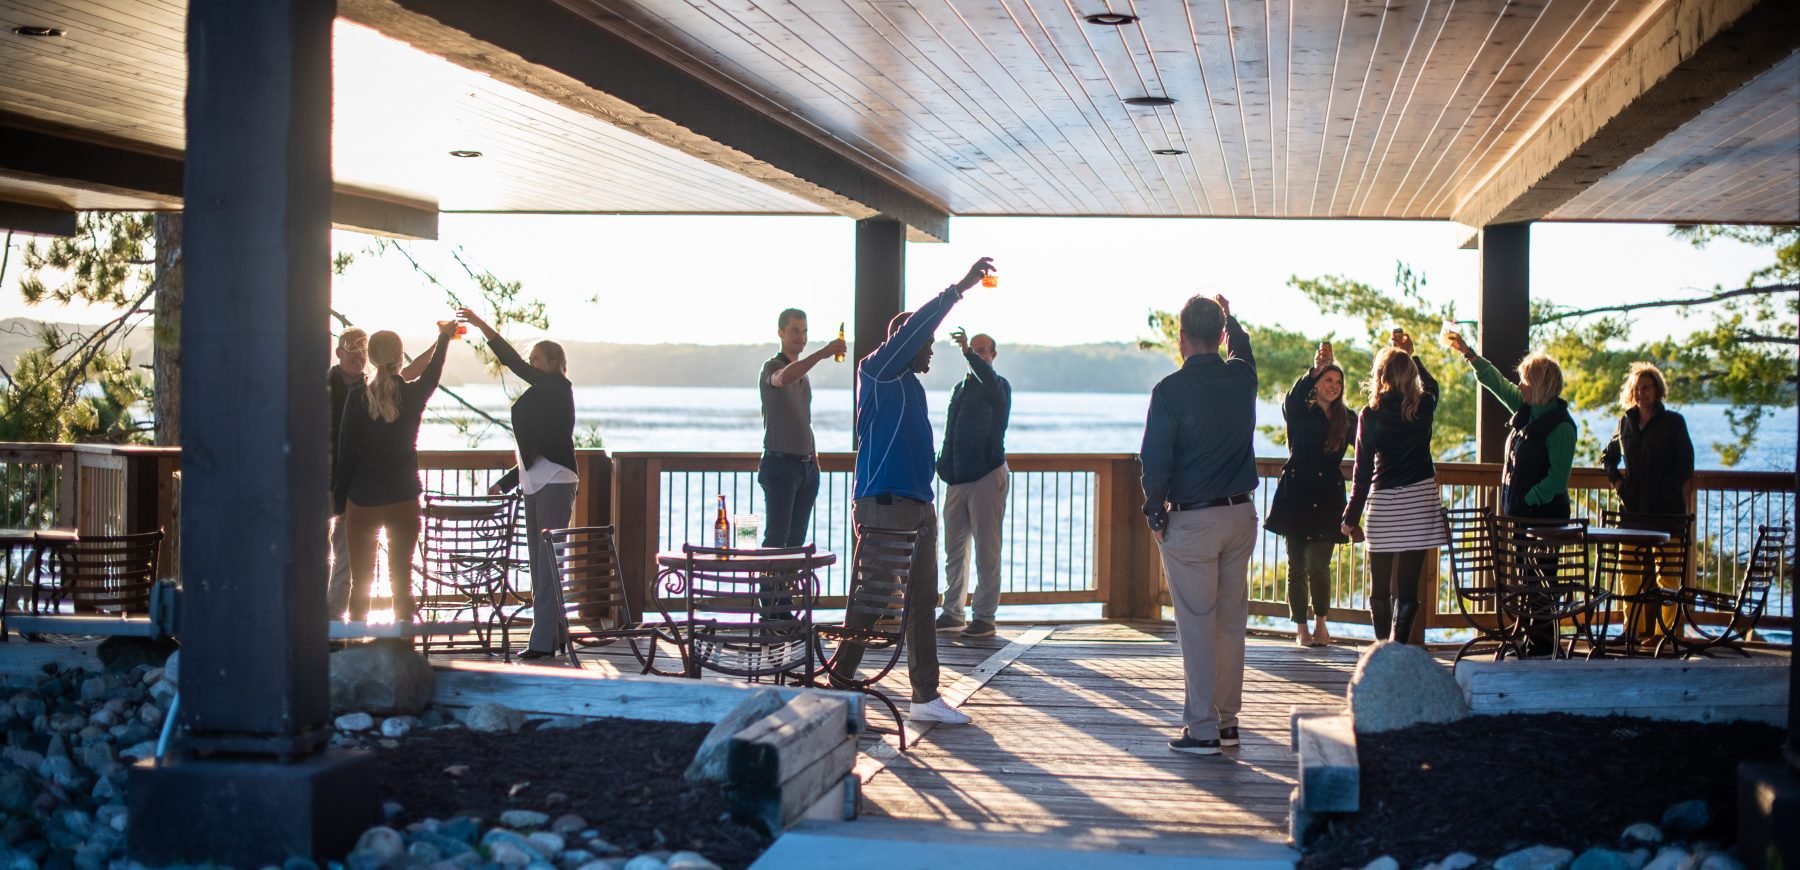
(921, 588)
(401, 522)
(1206, 556)
(974, 510)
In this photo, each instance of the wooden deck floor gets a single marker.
(1070, 737)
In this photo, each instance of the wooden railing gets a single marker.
(1074, 531)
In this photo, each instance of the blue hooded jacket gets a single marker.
(893, 431)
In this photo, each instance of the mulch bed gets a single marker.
(622, 775)
(1489, 785)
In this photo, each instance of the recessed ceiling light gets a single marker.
(37, 30)
(465, 153)
(1168, 152)
(1149, 101)
(1110, 19)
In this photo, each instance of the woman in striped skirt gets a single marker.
(1396, 481)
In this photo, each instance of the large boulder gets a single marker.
(1396, 685)
(383, 678)
(709, 760)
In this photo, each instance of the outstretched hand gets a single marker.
(1224, 304)
(1403, 341)
(468, 315)
(1321, 357)
(1458, 343)
(981, 267)
(961, 338)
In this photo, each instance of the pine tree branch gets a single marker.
(1767, 290)
(1760, 338)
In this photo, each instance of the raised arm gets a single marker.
(1615, 450)
(894, 356)
(417, 366)
(1363, 474)
(427, 383)
(794, 371)
(504, 351)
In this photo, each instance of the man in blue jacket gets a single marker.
(973, 467)
(894, 467)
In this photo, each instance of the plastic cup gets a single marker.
(746, 531)
(990, 280)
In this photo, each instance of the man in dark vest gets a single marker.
(973, 466)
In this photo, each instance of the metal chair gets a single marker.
(596, 606)
(1474, 578)
(875, 613)
(1544, 580)
(110, 574)
(464, 545)
(749, 612)
(1630, 574)
(1693, 633)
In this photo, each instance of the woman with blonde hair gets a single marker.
(1540, 439)
(1654, 444)
(1309, 499)
(1397, 482)
(376, 481)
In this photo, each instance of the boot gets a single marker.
(1404, 612)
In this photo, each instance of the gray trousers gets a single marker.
(974, 510)
(921, 589)
(337, 588)
(1206, 557)
(548, 508)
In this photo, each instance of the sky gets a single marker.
(713, 280)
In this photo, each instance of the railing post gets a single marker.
(1130, 576)
(593, 505)
(637, 501)
(68, 502)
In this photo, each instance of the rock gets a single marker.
(152, 677)
(1685, 818)
(709, 759)
(57, 747)
(1641, 834)
(23, 758)
(62, 771)
(432, 718)
(112, 816)
(97, 756)
(133, 656)
(354, 722)
(509, 854)
(1385, 862)
(462, 828)
(645, 862)
(140, 751)
(380, 846)
(67, 723)
(91, 857)
(106, 792)
(398, 726)
(163, 693)
(493, 718)
(1720, 861)
(390, 809)
(1396, 685)
(94, 688)
(295, 863)
(446, 846)
(423, 853)
(697, 861)
(172, 671)
(75, 822)
(574, 859)
(1454, 861)
(1668, 858)
(523, 819)
(568, 824)
(548, 844)
(1534, 857)
(384, 677)
(563, 723)
(150, 714)
(1604, 859)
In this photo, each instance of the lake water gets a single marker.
(726, 419)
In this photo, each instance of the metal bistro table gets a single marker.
(744, 613)
(1645, 540)
(21, 554)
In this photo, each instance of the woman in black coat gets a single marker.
(1309, 499)
(1654, 444)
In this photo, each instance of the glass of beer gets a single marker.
(991, 279)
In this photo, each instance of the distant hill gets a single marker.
(1098, 368)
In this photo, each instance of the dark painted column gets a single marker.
(1504, 330)
(880, 284)
(247, 786)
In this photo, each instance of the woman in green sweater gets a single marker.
(1540, 442)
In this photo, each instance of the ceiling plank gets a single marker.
(59, 159)
(36, 220)
(1689, 55)
(545, 49)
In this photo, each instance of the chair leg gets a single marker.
(894, 709)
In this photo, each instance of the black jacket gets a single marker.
(1659, 459)
(975, 425)
(1528, 462)
(543, 416)
(1392, 451)
(1309, 499)
(378, 461)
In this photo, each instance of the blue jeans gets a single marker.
(789, 488)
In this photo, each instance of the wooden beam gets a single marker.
(547, 49)
(1505, 324)
(880, 288)
(1682, 59)
(60, 158)
(36, 220)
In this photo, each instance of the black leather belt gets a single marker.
(1227, 501)
(791, 457)
(889, 498)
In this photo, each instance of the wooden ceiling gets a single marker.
(1412, 109)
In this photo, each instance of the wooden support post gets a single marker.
(593, 504)
(1505, 326)
(880, 285)
(636, 504)
(1130, 568)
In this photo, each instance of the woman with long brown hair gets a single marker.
(1397, 482)
(1654, 445)
(376, 481)
(1309, 499)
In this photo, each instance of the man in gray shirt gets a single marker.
(789, 473)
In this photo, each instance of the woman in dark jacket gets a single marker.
(1654, 444)
(375, 484)
(543, 419)
(1309, 499)
(1396, 480)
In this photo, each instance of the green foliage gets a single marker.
(56, 393)
(106, 262)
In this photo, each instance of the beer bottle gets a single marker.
(839, 356)
(722, 527)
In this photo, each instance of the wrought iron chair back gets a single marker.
(1544, 578)
(596, 605)
(465, 543)
(1742, 610)
(106, 573)
(875, 615)
(749, 614)
(1621, 567)
(1474, 577)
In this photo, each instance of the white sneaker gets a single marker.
(937, 711)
